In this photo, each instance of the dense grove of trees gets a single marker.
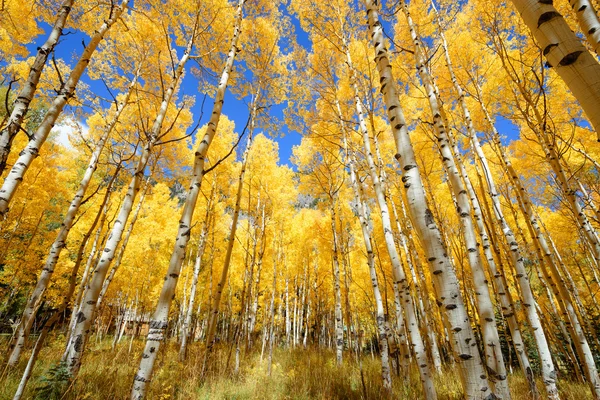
(442, 208)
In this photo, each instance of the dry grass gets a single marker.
(296, 374)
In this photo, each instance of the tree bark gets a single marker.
(548, 371)
(473, 374)
(67, 91)
(85, 316)
(491, 340)
(365, 223)
(159, 320)
(36, 297)
(564, 52)
(588, 21)
(185, 331)
(21, 103)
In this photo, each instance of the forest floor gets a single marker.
(296, 374)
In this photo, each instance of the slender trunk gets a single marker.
(159, 320)
(60, 242)
(547, 365)
(85, 316)
(100, 218)
(65, 299)
(339, 323)
(365, 224)
(491, 340)
(472, 371)
(185, 331)
(25, 96)
(67, 91)
(214, 312)
(254, 306)
(134, 218)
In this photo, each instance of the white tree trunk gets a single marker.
(487, 320)
(134, 218)
(548, 371)
(588, 21)
(36, 297)
(507, 306)
(564, 52)
(88, 266)
(185, 331)
(85, 316)
(472, 371)
(339, 322)
(21, 103)
(412, 324)
(32, 149)
(159, 320)
(365, 224)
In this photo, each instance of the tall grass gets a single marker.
(296, 374)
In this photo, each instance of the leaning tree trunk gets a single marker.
(365, 224)
(159, 320)
(66, 298)
(412, 324)
(548, 143)
(85, 316)
(36, 297)
(25, 96)
(66, 92)
(547, 365)
(491, 340)
(100, 218)
(185, 330)
(564, 52)
(507, 306)
(435, 355)
(123, 247)
(588, 21)
(546, 257)
(472, 371)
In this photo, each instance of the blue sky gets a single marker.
(70, 47)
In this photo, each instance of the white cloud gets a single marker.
(63, 133)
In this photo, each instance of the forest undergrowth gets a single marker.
(297, 373)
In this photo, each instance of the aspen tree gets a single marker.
(548, 371)
(588, 21)
(448, 294)
(159, 319)
(565, 54)
(412, 326)
(507, 306)
(85, 316)
(67, 91)
(25, 96)
(419, 294)
(485, 308)
(365, 225)
(339, 323)
(66, 298)
(100, 221)
(214, 311)
(37, 294)
(134, 218)
(537, 123)
(185, 331)
(254, 306)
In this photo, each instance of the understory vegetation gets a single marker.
(296, 374)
